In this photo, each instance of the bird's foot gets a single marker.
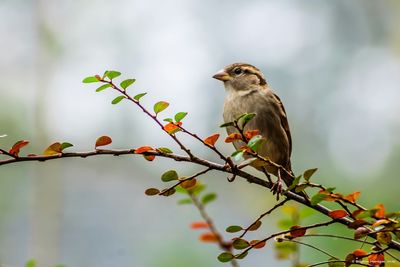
(277, 188)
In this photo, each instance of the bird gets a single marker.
(247, 91)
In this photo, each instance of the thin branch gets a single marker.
(153, 117)
(226, 246)
(339, 237)
(215, 166)
(311, 246)
(186, 179)
(264, 214)
(4, 152)
(333, 261)
(195, 136)
(286, 232)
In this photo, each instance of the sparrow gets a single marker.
(248, 92)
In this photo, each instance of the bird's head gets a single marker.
(240, 77)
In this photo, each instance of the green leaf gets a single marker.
(165, 150)
(233, 228)
(285, 224)
(65, 145)
(240, 243)
(103, 87)
(90, 79)
(237, 155)
(306, 212)
(160, 106)
(241, 255)
(317, 198)
(139, 96)
(198, 189)
(117, 99)
(111, 74)
(126, 83)
(31, 263)
(227, 124)
(255, 143)
(179, 116)
(300, 188)
(246, 119)
(294, 183)
(185, 201)
(170, 175)
(152, 191)
(208, 198)
(168, 120)
(330, 189)
(225, 257)
(308, 173)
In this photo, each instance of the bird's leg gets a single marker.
(268, 176)
(277, 187)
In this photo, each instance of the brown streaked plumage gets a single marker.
(248, 92)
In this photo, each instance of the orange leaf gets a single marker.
(53, 149)
(259, 245)
(149, 157)
(208, 237)
(251, 134)
(143, 149)
(189, 184)
(211, 139)
(297, 231)
(233, 137)
(199, 225)
(376, 259)
(352, 197)
(103, 141)
(380, 213)
(337, 214)
(171, 128)
(359, 253)
(17, 146)
(380, 222)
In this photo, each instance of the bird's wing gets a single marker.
(284, 121)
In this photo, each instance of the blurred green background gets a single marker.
(335, 64)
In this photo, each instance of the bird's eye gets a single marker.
(238, 71)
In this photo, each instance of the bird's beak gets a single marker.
(222, 76)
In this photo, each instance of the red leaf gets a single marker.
(254, 244)
(337, 214)
(143, 149)
(376, 259)
(211, 140)
(233, 137)
(208, 237)
(199, 225)
(103, 141)
(297, 231)
(359, 253)
(251, 134)
(149, 157)
(17, 146)
(352, 197)
(380, 213)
